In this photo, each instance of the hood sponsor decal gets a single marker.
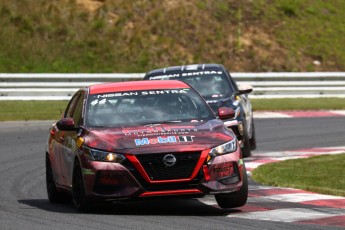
(163, 140)
(160, 131)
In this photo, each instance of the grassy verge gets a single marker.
(31, 110)
(321, 174)
(136, 36)
(299, 104)
(51, 110)
(323, 20)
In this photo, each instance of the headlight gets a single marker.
(227, 147)
(98, 155)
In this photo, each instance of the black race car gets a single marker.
(219, 89)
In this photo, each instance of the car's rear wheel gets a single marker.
(235, 199)
(54, 195)
(79, 198)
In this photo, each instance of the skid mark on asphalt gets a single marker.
(287, 204)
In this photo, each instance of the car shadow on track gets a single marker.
(158, 207)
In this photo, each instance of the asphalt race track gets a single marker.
(24, 204)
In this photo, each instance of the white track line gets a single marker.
(301, 197)
(291, 214)
(263, 115)
(283, 114)
(340, 112)
(253, 165)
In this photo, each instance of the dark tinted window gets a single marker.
(209, 86)
(71, 105)
(77, 114)
(210, 83)
(233, 83)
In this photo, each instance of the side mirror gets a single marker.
(244, 89)
(66, 124)
(226, 113)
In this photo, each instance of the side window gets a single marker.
(71, 105)
(77, 114)
(233, 83)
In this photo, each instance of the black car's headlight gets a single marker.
(225, 148)
(98, 155)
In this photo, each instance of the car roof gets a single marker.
(136, 85)
(185, 68)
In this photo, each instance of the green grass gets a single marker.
(309, 29)
(31, 110)
(51, 110)
(299, 104)
(321, 174)
(43, 36)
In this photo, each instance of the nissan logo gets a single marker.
(169, 160)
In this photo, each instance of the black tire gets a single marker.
(54, 195)
(236, 199)
(79, 199)
(246, 149)
(252, 140)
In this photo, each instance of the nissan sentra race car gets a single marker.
(219, 89)
(134, 140)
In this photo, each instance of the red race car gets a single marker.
(132, 140)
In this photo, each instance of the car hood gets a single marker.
(187, 136)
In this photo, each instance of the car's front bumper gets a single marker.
(114, 181)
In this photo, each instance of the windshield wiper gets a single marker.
(150, 124)
(160, 123)
(175, 121)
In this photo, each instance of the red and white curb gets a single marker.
(297, 114)
(287, 204)
(264, 158)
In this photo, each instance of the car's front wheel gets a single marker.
(246, 149)
(253, 139)
(54, 195)
(235, 199)
(79, 199)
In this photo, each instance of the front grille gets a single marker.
(157, 170)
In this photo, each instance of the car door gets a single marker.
(57, 144)
(70, 141)
(248, 112)
(246, 107)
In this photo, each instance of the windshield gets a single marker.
(131, 108)
(210, 84)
